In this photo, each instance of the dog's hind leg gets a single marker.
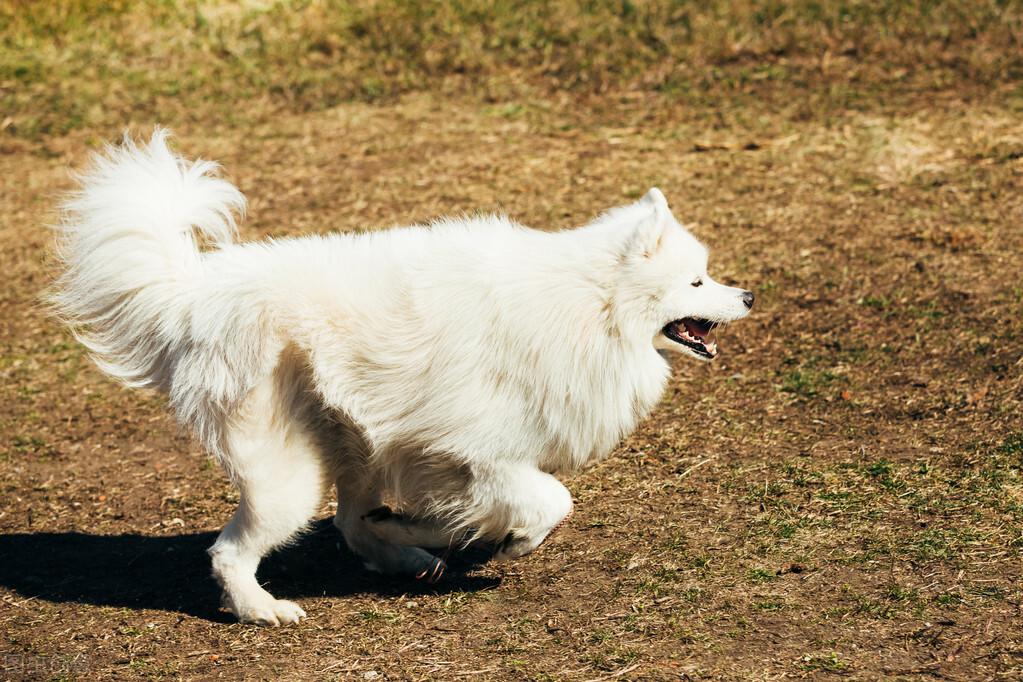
(358, 516)
(280, 471)
(400, 529)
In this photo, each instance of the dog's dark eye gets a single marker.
(697, 282)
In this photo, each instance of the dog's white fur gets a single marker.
(447, 370)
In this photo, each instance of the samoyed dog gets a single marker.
(438, 375)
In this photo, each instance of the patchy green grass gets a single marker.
(830, 662)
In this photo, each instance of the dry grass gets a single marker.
(93, 65)
(840, 495)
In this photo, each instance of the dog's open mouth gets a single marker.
(694, 334)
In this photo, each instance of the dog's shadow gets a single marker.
(172, 573)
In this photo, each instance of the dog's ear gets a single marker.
(655, 198)
(648, 233)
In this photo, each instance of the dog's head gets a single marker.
(665, 285)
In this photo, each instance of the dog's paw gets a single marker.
(431, 574)
(399, 560)
(273, 613)
(514, 545)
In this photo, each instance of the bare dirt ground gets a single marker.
(840, 494)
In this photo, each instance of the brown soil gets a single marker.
(840, 494)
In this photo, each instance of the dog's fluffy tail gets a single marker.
(133, 270)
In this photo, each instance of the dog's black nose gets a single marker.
(748, 298)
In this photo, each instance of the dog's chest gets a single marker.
(588, 425)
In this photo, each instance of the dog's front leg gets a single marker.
(518, 506)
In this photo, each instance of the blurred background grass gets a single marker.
(71, 64)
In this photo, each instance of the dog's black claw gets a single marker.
(438, 572)
(431, 574)
(506, 543)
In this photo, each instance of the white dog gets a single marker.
(444, 371)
